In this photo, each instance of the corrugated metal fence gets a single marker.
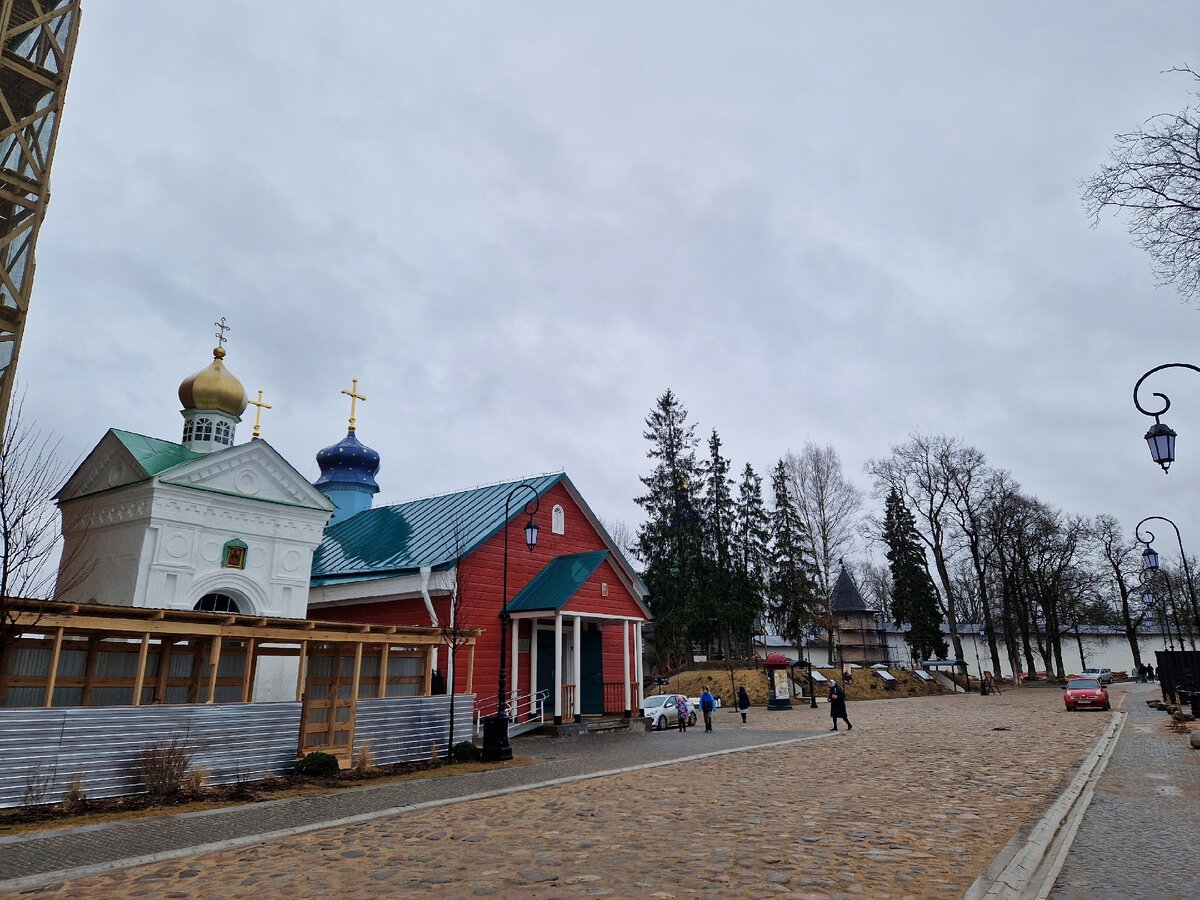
(406, 729)
(42, 750)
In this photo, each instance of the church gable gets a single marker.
(121, 458)
(254, 471)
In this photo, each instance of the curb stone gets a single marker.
(1028, 866)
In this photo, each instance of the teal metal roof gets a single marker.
(434, 531)
(152, 454)
(556, 584)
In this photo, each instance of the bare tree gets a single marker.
(1153, 174)
(455, 632)
(31, 472)
(921, 471)
(1121, 559)
(827, 504)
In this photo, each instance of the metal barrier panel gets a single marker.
(44, 749)
(407, 729)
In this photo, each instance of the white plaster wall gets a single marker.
(160, 546)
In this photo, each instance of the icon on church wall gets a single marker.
(234, 555)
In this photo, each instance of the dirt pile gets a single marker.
(865, 684)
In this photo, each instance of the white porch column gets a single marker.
(637, 664)
(558, 673)
(578, 666)
(625, 664)
(513, 693)
(533, 662)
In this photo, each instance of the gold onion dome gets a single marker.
(213, 388)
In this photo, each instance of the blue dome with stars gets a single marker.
(349, 462)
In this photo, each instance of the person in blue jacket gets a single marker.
(707, 704)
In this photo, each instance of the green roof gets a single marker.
(433, 531)
(556, 584)
(152, 454)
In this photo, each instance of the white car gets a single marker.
(1104, 676)
(695, 701)
(660, 710)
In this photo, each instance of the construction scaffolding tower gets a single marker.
(37, 42)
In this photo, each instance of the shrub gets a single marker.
(37, 783)
(465, 751)
(318, 765)
(362, 763)
(164, 768)
(74, 800)
(195, 780)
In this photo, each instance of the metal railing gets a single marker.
(525, 711)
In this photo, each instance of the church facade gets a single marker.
(576, 605)
(202, 524)
(211, 525)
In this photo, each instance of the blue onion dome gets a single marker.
(348, 462)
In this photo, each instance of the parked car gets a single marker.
(1104, 676)
(1085, 693)
(695, 701)
(660, 710)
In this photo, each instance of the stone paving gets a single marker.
(914, 802)
(1139, 835)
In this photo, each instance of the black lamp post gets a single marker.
(496, 747)
(812, 692)
(1160, 438)
(1150, 560)
(1148, 600)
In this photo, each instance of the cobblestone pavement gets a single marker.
(1138, 836)
(914, 802)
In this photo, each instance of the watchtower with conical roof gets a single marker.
(859, 639)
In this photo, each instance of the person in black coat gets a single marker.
(743, 704)
(837, 705)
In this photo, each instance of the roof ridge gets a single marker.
(478, 487)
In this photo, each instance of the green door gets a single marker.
(545, 666)
(591, 673)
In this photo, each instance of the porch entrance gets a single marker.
(591, 673)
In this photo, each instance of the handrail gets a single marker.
(521, 709)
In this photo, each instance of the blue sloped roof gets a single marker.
(552, 587)
(433, 531)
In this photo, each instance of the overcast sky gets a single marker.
(517, 224)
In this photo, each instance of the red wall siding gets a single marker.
(480, 589)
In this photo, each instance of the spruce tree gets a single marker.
(914, 597)
(670, 542)
(713, 607)
(795, 599)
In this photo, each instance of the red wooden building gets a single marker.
(577, 606)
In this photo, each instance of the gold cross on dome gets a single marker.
(354, 395)
(221, 329)
(258, 413)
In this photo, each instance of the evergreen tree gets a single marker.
(713, 607)
(795, 598)
(669, 542)
(751, 551)
(914, 597)
(749, 554)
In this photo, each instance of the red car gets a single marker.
(1085, 693)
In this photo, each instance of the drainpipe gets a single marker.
(426, 571)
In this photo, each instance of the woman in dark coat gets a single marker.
(837, 705)
(743, 703)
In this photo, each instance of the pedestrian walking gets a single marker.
(743, 704)
(681, 710)
(837, 705)
(707, 705)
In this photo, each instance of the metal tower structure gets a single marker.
(37, 42)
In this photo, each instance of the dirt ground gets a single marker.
(865, 685)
